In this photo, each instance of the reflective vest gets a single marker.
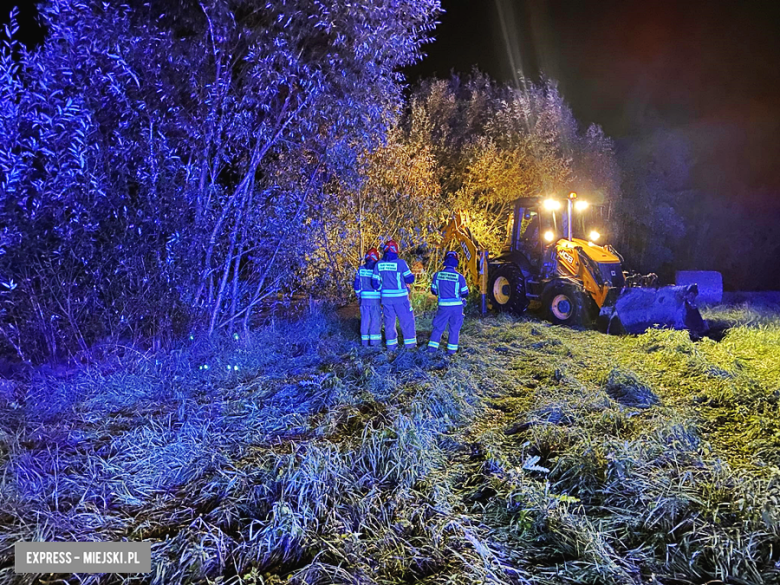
(450, 286)
(363, 285)
(390, 277)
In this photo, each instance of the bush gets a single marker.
(167, 171)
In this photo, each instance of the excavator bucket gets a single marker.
(638, 309)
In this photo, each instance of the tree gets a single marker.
(656, 185)
(395, 196)
(496, 143)
(161, 168)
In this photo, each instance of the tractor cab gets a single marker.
(526, 226)
(535, 224)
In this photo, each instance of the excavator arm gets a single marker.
(475, 258)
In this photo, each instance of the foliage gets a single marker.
(290, 455)
(720, 230)
(669, 224)
(495, 143)
(397, 197)
(656, 187)
(159, 166)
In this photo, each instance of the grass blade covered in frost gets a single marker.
(538, 454)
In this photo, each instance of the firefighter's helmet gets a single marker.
(372, 255)
(451, 258)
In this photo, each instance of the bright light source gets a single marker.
(594, 236)
(551, 204)
(580, 205)
(572, 195)
(549, 236)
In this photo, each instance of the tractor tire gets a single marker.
(566, 304)
(506, 290)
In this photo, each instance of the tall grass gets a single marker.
(539, 454)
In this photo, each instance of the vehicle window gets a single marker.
(529, 229)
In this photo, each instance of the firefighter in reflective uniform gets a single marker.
(370, 308)
(391, 277)
(450, 286)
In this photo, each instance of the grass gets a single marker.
(539, 454)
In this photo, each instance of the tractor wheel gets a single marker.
(506, 290)
(565, 304)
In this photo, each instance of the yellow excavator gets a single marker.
(552, 261)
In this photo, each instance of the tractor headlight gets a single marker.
(594, 236)
(552, 204)
(580, 205)
(549, 236)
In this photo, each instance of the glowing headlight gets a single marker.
(549, 236)
(594, 236)
(551, 204)
(580, 205)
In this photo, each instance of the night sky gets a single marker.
(708, 69)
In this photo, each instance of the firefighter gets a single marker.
(370, 309)
(450, 286)
(392, 277)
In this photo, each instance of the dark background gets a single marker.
(29, 31)
(708, 71)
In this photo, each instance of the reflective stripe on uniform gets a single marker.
(386, 293)
(451, 347)
(374, 337)
(365, 337)
(458, 290)
(410, 341)
(370, 294)
(392, 342)
(433, 344)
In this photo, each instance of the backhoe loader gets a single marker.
(552, 261)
